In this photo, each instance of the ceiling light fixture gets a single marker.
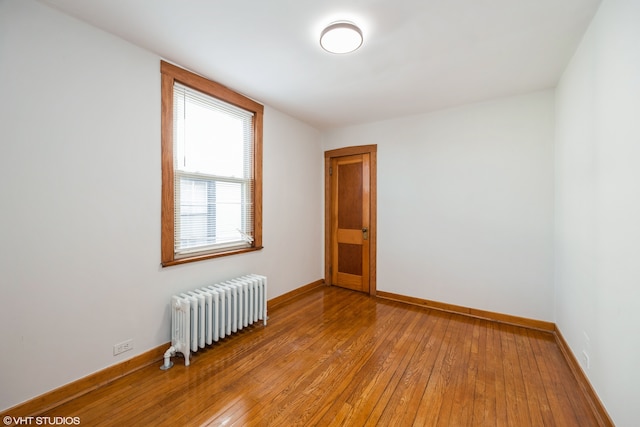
(341, 37)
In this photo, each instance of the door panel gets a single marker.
(350, 258)
(350, 206)
(348, 175)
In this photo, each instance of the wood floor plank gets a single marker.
(458, 408)
(562, 386)
(304, 360)
(484, 404)
(436, 386)
(403, 401)
(368, 360)
(333, 357)
(535, 394)
(378, 376)
(495, 359)
(517, 408)
(325, 353)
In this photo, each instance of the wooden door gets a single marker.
(350, 221)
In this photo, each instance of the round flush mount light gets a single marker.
(341, 37)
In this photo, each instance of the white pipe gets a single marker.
(167, 358)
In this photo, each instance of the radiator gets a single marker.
(203, 316)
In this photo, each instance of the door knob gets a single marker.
(365, 233)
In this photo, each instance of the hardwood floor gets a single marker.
(333, 357)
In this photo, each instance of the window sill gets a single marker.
(208, 256)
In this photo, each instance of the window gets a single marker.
(211, 169)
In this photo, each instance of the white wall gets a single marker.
(80, 203)
(465, 204)
(598, 206)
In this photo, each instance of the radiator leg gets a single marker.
(167, 358)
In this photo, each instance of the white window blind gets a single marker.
(213, 173)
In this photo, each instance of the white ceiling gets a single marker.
(418, 55)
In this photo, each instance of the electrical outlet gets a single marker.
(122, 347)
(587, 341)
(585, 359)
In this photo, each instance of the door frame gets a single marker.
(373, 163)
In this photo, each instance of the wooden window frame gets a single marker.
(171, 74)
